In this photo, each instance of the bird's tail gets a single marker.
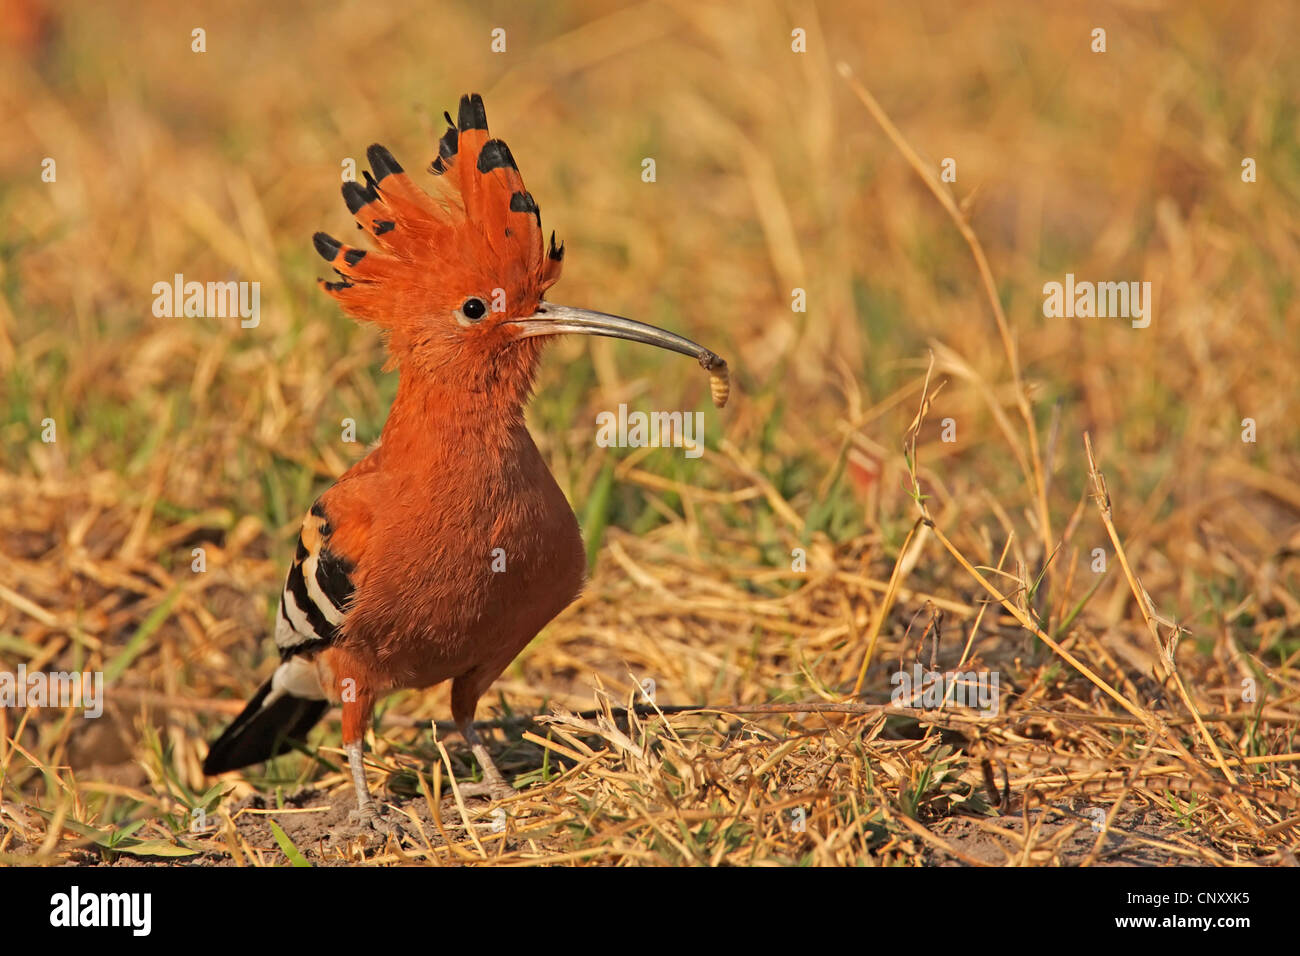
(282, 711)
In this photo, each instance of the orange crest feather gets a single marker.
(483, 236)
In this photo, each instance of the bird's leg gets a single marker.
(355, 692)
(465, 692)
(365, 811)
(493, 785)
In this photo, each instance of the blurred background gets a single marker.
(771, 177)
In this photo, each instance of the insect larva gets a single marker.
(719, 377)
(719, 385)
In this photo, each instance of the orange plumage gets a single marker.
(444, 551)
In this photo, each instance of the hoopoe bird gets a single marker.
(393, 584)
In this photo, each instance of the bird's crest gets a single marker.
(480, 236)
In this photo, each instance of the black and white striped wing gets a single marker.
(316, 592)
(312, 607)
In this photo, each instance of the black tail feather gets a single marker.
(260, 733)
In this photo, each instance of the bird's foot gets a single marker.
(493, 784)
(496, 789)
(381, 826)
(367, 816)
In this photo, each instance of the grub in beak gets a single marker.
(551, 319)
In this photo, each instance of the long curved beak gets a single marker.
(551, 319)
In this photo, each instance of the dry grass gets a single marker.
(775, 742)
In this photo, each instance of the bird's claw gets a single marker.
(370, 819)
(494, 789)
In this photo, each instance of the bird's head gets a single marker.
(458, 280)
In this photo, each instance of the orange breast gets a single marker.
(471, 554)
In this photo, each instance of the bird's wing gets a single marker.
(317, 595)
(317, 590)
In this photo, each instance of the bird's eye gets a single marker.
(473, 309)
